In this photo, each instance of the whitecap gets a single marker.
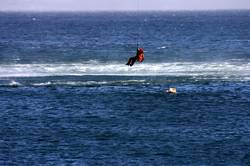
(162, 47)
(217, 69)
(14, 83)
(42, 84)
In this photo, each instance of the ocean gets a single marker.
(67, 97)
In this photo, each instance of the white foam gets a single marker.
(225, 69)
(87, 83)
(43, 84)
(162, 47)
(14, 83)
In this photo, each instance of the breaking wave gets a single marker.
(42, 83)
(225, 69)
(88, 83)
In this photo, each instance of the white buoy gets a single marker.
(171, 90)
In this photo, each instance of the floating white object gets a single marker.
(171, 90)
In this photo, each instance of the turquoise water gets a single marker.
(67, 97)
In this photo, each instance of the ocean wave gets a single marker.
(70, 83)
(239, 40)
(224, 69)
(14, 84)
(11, 83)
(44, 83)
(88, 83)
(162, 47)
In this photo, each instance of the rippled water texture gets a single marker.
(67, 97)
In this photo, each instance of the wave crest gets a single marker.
(236, 69)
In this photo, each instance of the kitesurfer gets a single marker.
(139, 57)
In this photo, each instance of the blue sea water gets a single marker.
(67, 97)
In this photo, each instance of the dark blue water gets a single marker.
(67, 97)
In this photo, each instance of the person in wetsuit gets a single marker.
(139, 57)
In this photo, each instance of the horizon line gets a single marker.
(82, 11)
